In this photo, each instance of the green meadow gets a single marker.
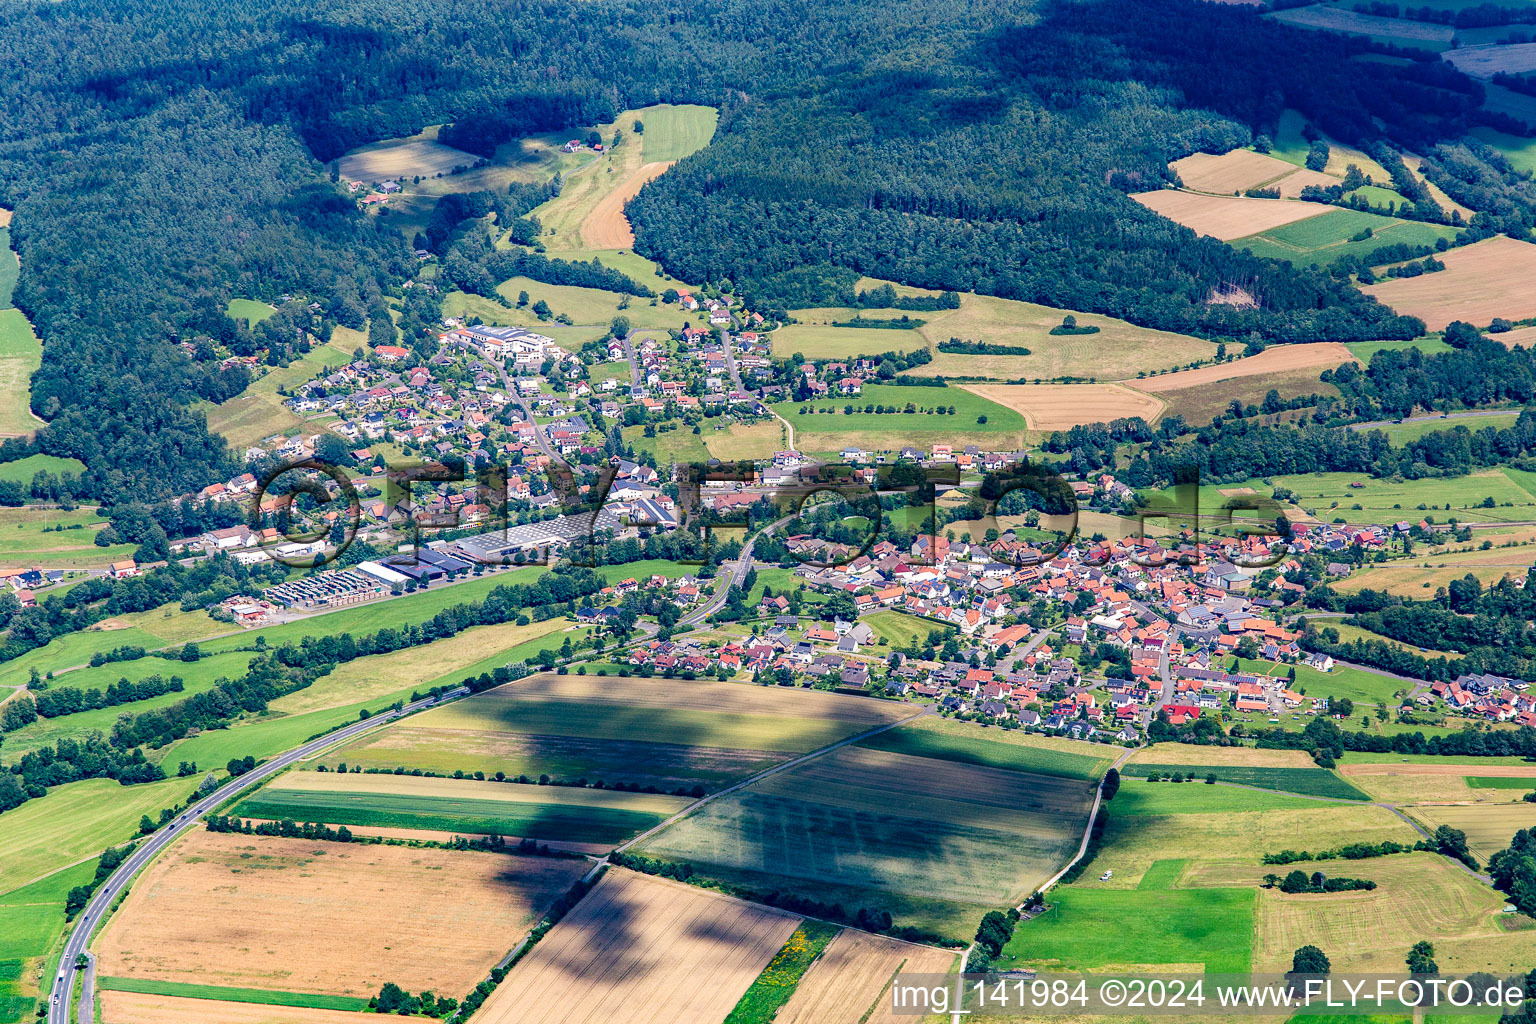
(1326, 238)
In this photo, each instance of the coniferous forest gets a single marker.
(162, 157)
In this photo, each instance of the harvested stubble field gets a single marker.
(1326, 355)
(606, 227)
(966, 743)
(1227, 217)
(639, 948)
(548, 813)
(298, 916)
(1481, 281)
(1436, 783)
(1242, 169)
(137, 1008)
(1247, 757)
(1488, 59)
(850, 983)
(1417, 894)
(889, 824)
(661, 732)
(1062, 406)
(1489, 827)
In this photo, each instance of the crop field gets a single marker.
(23, 541)
(1322, 240)
(1277, 359)
(140, 1008)
(461, 805)
(1399, 32)
(1417, 894)
(1480, 282)
(682, 953)
(964, 743)
(850, 981)
(1466, 782)
(197, 677)
(1488, 59)
(1489, 827)
(1062, 406)
(1227, 217)
(300, 916)
(666, 733)
(1242, 169)
(1133, 842)
(424, 665)
(1209, 927)
(814, 340)
(889, 826)
(1306, 781)
(1421, 577)
(76, 821)
(824, 426)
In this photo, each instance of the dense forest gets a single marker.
(162, 157)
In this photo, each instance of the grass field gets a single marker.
(1421, 576)
(1306, 781)
(830, 429)
(251, 311)
(890, 826)
(666, 733)
(1430, 345)
(392, 613)
(965, 743)
(1514, 104)
(1140, 797)
(31, 921)
(812, 340)
(1519, 783)
(20, 356)
(258, 411)
(23, 541)
(593, 306)
(198, 677)
(1324, 239)
(680, 446)
(424, 665)
(681, 953)
(231, 995)
(23, 470)
(1210, 927)
(1480, 282)
(461, 805)
(745, 440)
(77, 821)
(1517, 149)
(425, 919)
(1359, 685)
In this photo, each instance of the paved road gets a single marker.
(634, 361)
(739, 570)
(117, 882)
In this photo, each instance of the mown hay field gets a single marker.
(1227, 217)
(825, 425)
(546, 813)
(299, 916)
(23, 542)
(1488, 59)
(1063, 406)
(1246, 757)
(851, 982)
(825, 341)
(1417, 894)
(1339, 233)
(1396, 31)
(661, 732)
(1481, 281)
(1437, 783)
(20, 355)
(638, 944)
(1242, 169)
(887, 826)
